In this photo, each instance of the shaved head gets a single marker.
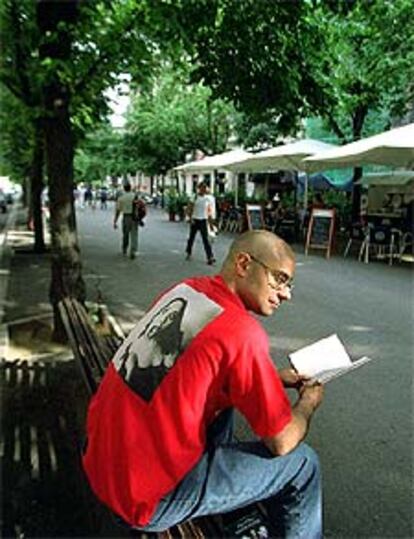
(256, 263)
(262, 244)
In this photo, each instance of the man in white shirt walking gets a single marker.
(202, 212)
(124, 205)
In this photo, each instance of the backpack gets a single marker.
(139, 211)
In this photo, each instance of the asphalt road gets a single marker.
(363, 430)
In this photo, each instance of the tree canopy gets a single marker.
(173, 119)
(100, 154)
(16, 137)
(368, 66)
(259, 54)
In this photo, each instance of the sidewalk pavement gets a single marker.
(24, 284)
(126, 287)
(43, 404)
(367, 474)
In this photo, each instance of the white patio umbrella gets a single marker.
(286, 157)
(394, 148)
(215, 162)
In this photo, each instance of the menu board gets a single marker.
(254, 215)
(320, 230)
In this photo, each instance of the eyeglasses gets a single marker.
(280, 278)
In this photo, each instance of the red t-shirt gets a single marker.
(196, 352)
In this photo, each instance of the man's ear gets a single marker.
(242, 264)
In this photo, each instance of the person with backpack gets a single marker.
(133, 211)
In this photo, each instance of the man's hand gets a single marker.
(115, 225)
(189, 211)
(290, 378)
(311, 394)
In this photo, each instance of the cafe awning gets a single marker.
(391, 148)
(392, 179)
(214, 162)
(285, 157)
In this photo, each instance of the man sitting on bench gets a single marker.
(160, 447)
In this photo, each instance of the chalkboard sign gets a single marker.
(320, 230)
(254, 215)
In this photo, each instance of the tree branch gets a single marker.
(99, 62)
(9, 83)
(25, 93)
(336, 127)
(80, 86)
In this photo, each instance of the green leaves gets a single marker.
(17, 137)
(278, 62)
(368, 62)
(100, 155)
(252, 55)
(174, 118)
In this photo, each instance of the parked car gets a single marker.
(3, 202)
(9, 198)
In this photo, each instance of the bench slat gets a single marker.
(89, 372)
(81, 328)
(101, 353)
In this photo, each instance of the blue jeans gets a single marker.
(129, 232)
(201, 225)
(231, 475)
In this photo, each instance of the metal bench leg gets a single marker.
(391, 250)
(361, 250)
(348, 246)
(366, 259)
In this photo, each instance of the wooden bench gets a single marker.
(93, 352)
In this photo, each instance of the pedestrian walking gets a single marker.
(103, 196)
(88, 196)
(125, 206)
(201, 213)
(159, 446)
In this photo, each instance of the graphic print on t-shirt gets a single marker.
(161, 336)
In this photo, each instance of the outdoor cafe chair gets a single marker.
(406, 248)
(357, 234)
(381, 240)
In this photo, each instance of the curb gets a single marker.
(5, 262)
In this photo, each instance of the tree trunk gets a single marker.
(36, 188)
(26, 192)
(66, 261)
(358, 120)
(356, 195)
(163, 191)
(66, 280)
(66, 264)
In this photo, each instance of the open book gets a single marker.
(324, 360)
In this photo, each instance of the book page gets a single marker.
(324, 360)
(325, 354)
(330, 374)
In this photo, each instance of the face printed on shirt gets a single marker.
(157, 341)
